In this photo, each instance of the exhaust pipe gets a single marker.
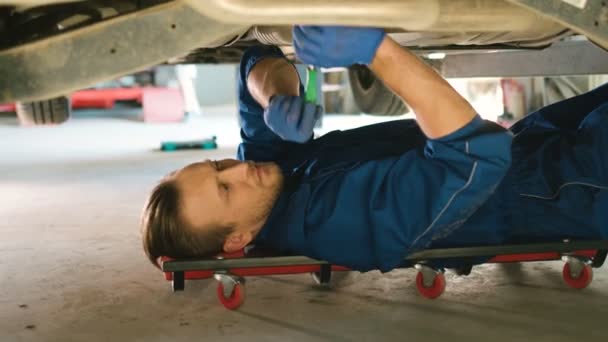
(410, 15)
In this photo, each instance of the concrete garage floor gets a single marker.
(72, 267)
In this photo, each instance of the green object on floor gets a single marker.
(311, 85)
(204, 144)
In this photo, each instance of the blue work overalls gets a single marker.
(367, 197)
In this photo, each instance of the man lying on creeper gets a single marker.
(365, 198)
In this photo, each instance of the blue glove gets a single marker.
(336, 46)
(292, 118)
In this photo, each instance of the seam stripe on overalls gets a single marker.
(466, 185)
(563, 186)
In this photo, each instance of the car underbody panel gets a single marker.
(572, 57)
(131, 38)
(587, 17)
(105, 50)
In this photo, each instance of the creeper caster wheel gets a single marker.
(235, 299)
(430, 283)
(577, 274)
(230, 291)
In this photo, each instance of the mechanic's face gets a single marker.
(229, 193)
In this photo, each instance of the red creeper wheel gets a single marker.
(583, 280)
(434, 290)
(236, 299)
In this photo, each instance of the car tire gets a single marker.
(372, 96)
(47, 112)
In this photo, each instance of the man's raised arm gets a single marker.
(439, 109)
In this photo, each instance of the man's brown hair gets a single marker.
(164, 232)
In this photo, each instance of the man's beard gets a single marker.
(263, 209)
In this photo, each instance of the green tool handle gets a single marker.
(205, 144)
(311, 85)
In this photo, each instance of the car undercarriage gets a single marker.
(51, 48)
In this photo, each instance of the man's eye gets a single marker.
(225, 186)
(216, 164)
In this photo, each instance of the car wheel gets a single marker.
(371, 95)
(47, 112)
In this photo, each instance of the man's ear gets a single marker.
(237, 241)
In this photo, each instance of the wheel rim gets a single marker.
(435, 290)
(236, 298)
(582, 281)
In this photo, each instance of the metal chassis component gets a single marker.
(323, 277)
(108, 49)
(589, 17)
(574, 253)
(576, 57)
(412, 259)
(411, 15)
(179, 281)
(118, 46)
